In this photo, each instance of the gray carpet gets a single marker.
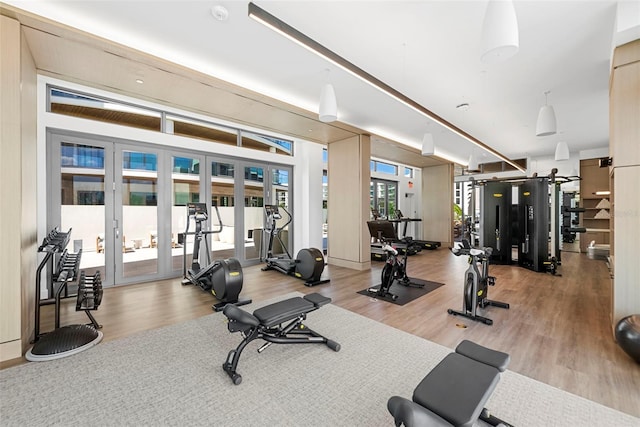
(173, 376)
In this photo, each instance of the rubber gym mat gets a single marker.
(405, 293)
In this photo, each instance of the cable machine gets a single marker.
(533, 224)
(495, 220)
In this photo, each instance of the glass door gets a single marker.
(136, 213)
(185, 188)
(384, 198)
(279, 195)
(222, 176)
(115, 221)
(254, 194)
(80, 199)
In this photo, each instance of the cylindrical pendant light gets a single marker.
(428, 147)
(328, 111)
(562, 151)
(546, 124)
(500, 38)
(473, 163)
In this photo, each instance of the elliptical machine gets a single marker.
(222, 277)
(476, 286)
(309, 263)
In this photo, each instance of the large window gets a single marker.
(63, 101)
(383, 167)
(103, 110)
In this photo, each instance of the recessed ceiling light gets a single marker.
(220, 13)
(139, 81)
(463, 107)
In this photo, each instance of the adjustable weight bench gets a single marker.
(455, 391)
(267, 323)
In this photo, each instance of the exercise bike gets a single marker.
(309, 263)
(395, 269)
(222, 277)
(476, 285)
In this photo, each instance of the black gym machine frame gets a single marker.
(395, 267)
(222, 277)
(533, 224)
(309, 263)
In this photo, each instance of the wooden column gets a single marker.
(624, 149)
(348, 203)
(437, 204)
(18, 174)
(10, 176)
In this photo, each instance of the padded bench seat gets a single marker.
(455, 391)
(268, 323)
(282, 311)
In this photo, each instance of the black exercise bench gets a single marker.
(455, 391)
(267, 323)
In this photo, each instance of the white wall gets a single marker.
(307, 204)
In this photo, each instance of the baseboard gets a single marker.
(10, 350)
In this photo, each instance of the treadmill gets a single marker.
(422, 244)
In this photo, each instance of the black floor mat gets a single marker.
(405, 293)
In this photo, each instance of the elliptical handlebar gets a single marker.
(273, 213)
(199, 213)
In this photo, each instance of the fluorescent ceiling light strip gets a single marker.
(265, 18)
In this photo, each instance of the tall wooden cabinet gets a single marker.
(624, 149)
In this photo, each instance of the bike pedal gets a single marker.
(491, 281)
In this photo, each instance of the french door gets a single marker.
(126, 204)
(384, 197)
(108, 194)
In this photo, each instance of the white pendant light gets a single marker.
(562, 151)
(546, 124)
(428, 147)
(328, 111)
(473, 163)
(500, 39)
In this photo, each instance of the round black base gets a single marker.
(64, 342)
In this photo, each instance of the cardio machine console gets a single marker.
(272, 211)
(197, 210)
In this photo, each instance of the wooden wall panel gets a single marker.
(624, 149)
(29, 229)
(437, 204)
(348, 202)
(10, 175)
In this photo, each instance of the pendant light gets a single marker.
(473, 163)
(562, 151)
(428, 147)
(328, 111)
(500, 38)
(546, 124)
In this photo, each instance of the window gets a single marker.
(408, 172)
(104, 110)
(383, 167)
(201, 130)
(266, 143)
(67, 102)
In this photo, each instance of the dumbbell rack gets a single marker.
(72, 339)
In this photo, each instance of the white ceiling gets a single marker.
(428, 50)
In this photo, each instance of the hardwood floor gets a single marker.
(557, 329)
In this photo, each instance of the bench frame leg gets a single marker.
(295, 332)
